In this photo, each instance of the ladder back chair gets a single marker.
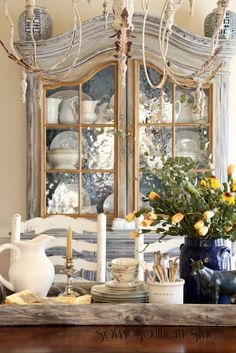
(78, 225)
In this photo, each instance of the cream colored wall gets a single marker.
(13, 184)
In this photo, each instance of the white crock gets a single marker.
(167, 292)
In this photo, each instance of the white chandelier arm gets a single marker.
(77, 24)
(220, 15)
(6, 10)
(145, 5)
(191, 3)
(33, 66)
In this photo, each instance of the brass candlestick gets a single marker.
(69, 269)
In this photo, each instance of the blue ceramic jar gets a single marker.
(42, 25)
(214, 254)
(228, 31)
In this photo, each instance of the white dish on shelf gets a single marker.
(65, 199)
(65, 140)
(108, 204)
(187, 144)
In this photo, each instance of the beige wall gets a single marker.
(13, 118)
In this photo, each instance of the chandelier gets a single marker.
(122, 25)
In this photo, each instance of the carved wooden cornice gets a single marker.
(97, 40)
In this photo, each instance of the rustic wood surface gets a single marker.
(119, 314)
(108, 339)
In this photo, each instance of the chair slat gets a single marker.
(77, 262)
(77, 245)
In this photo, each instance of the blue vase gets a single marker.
(214, 254)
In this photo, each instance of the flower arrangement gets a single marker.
(189, 203)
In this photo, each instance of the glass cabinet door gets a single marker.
(167, 126)
(78, 164)
(96, 157)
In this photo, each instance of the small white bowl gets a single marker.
(63, 158)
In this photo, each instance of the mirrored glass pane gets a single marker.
(153, 109)
(186, 99)
(154, 143)
(100, 189)
(98, 98)
(62, 193)
(98, 148)
(62, 105)
(192, 143)
(62, 149)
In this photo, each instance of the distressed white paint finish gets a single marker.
(187, 52)
(118, 7)
(78, 225)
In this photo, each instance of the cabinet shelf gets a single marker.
(76, 126)
(80, 171)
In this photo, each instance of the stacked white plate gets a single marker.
(112, 292)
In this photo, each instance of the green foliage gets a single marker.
(197, 196)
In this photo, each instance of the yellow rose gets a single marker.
(134, 234)
(199, 225)
(130, 217)
(208, 214)
(151, 216)
(153, 196)
(228, 229)
(230, 170)
(203, 183)
(146, 223)
(229, 198)
(177, 217)
(203, 231)
(215, 184)
(233, 186)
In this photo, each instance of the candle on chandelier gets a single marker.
(69, 243)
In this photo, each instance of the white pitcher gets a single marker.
(88, 111)
(68, 114)
(164, 114)
(31, 268)
(52, 105)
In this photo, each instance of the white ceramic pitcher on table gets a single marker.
(31, 268)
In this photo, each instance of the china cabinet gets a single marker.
(92, 144)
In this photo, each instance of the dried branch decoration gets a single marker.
(45, 73)
(197, 78)
(123, 45)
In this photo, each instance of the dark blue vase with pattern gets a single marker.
(214, 254)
